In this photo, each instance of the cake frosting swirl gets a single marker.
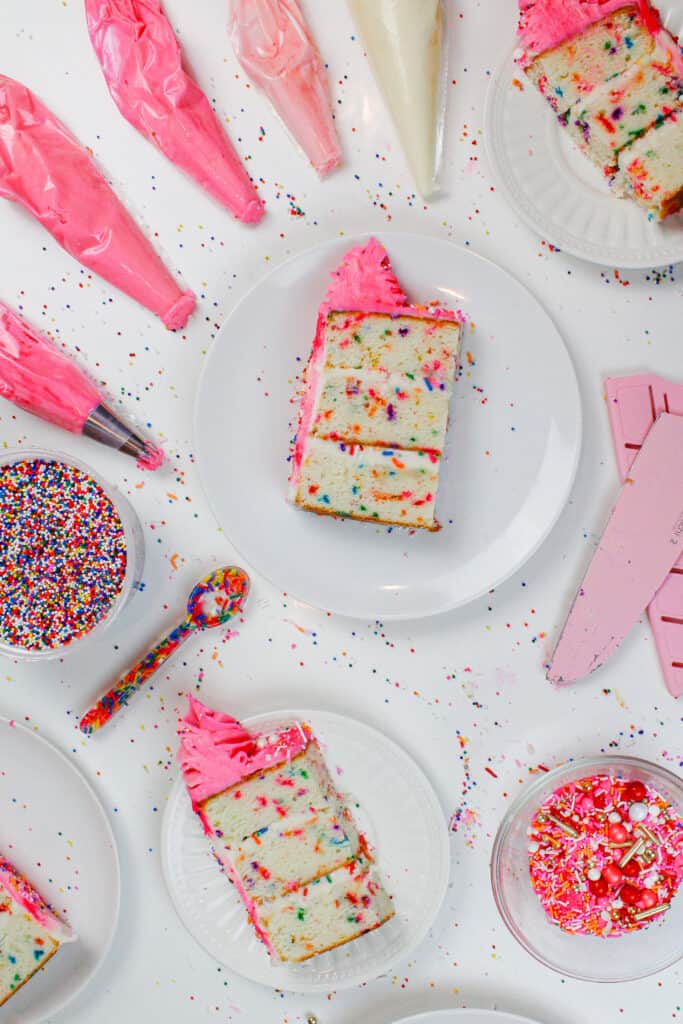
(217, 752)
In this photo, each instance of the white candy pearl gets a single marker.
(638, 812)
(533, 847)
(614, 818)
(654, 811)
(593, 875)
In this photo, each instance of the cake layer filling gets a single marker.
(306, 846)
(384, 484)
(651, 170)
(277, 794)
(621, 110)
(391, 343)
(391, 409)
(341, 906)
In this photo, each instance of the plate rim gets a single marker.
(297, 985)
(475, 1011)
(501, 175)
(497, 581)
(11, 723)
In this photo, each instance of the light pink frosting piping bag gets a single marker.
(143, 67)
(44, 168)
(38, 377)
(274, 46)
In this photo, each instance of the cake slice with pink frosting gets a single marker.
(30, 933)
(282, 833)
(614, 75)
(377, 395)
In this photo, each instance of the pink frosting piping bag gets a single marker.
(274, 46)
(143, 67)
(38, 377)
(44, 168)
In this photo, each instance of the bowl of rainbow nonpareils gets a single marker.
(587, 866)
(71, 553)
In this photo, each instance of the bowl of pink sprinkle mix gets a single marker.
(587, 866)
(70, 554)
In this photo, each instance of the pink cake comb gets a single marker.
(634, 403)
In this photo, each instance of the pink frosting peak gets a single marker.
(21, 890)
(545, 24)
(143, 67)
(364, 282)
(38, 377)
(274, 46)
(217, 752)
(45, 169)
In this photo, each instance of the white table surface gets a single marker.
(464, 693)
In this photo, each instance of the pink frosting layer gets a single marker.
(143, 67)
(38, 377)
(274, 46)
(216, 752)
(45, 169)
(21, 890)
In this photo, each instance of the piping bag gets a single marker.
(44, 168)
(405, 44)
(143, 68)
(38, 377)
(274, 46)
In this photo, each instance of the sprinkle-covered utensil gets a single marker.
(213, 602)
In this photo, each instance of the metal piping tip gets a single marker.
(104, 426)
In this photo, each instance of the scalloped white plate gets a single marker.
(403, 820)
(554, 188)
(54, 829)
(511, 452)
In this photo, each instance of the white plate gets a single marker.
(53, 827)
(554, 188)
(465, 1017)
(519, 402)
(398, 811)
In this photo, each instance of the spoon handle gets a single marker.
(121, 692)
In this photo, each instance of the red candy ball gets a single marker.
(612, 874)
(599, 887)
(635, 792)
(632, 869)
(648, 899)
(629, 895)
(599, 799)
(617, 833)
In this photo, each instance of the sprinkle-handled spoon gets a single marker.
(213, 602)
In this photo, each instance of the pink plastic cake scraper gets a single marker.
(642, 541)
(634, 403)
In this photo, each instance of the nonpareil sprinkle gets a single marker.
(62, 554)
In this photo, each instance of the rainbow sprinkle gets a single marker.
(605, 855)
(62, 554)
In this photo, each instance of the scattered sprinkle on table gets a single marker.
(605, 855)
(62, 554)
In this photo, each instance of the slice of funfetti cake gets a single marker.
(282, 833)
(30, 933)
(378, 389)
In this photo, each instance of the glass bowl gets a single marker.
(135, 555)
(586, 957)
